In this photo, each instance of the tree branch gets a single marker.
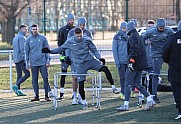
(28, 1)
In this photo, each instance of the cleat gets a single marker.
(35, 99)
(121, 96)
(15, 89)
(51, 94)
(47, 99)
(20, 93)
(155, 98)
(123, 108)
(61, 96)
(74, 101)
(178, 116)
(85, 105)
(149, 105)
(115, 91)
(80, 100)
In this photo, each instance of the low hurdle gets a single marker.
(95, 87)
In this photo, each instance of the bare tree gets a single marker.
(10, 9)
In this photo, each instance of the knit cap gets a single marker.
(130, 26)
(82, 20)
(135, 22)
(70, 16)
(160, 22)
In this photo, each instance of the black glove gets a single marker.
(103, 61)
(45, 50)
(130, 67)
(68, 61)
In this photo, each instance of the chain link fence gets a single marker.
(103, 16)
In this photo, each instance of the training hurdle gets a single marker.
(95, 87)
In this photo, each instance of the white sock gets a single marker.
(149, 98)
(74, 94)
(113, 86)
(126, 103)
(61, 90)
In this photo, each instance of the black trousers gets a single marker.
(176, 88)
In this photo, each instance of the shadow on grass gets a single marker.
(20, 110)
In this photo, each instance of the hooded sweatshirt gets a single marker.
(158, 38)
(119, 46)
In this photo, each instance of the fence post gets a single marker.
(126, 18)
(44, 16)
(10, 70)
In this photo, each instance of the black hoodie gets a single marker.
(172, 56)
(136, 50)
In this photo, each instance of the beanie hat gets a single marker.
(135, 22)
(82, 20)
(160, 22)
(130, 26)
(123, 25)
(70, 16)
(179, 25)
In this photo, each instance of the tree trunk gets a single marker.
(11, 22)
(178, 10)
(4, 28)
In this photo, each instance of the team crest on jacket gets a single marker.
(178, 41)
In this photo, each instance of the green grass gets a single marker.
(4, 46)
(19, 110)
(4, 78)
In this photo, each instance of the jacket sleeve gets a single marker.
(94, 50)
(61, 48)
(46, 45)
(60, 37)
(133, 48)
(115, 51)
(166, 49)
(27, 51)
(21, 42)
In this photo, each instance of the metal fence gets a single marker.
(104, 16)
(8, 72)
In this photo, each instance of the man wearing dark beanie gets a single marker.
(62, 37)
(136, 63)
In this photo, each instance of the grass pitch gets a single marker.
(15, 109)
